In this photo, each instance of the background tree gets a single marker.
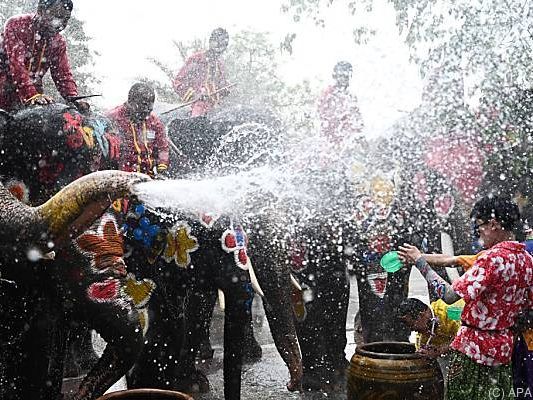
(488, 41)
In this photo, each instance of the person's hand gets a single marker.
(430, 351)
(82, 106)
(41, 100)
(409, 254)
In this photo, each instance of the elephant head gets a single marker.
(49, 147)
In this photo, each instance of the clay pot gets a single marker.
(145, 394)
(393, 371)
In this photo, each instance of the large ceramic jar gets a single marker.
(146, 394)
(393, 371)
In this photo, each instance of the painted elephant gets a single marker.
(361, 212)
(44, 149)
(214, 268)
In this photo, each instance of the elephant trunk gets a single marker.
(17, 220)
(86, 199)
(71, 210)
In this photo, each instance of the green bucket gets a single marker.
(390, 262)
(454, 313)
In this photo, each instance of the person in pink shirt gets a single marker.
(203, 78)
(496, 290)
(338, 110)
(32, 45)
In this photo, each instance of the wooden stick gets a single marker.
(189, 103)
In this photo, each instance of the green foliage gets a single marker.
(489, 39)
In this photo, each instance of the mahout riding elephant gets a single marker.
(178, 317)
(44, 148)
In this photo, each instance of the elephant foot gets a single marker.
(294, 385)
(195, 382)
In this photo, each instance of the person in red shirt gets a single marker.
(496, 290)
(31, 45)
(339, 113)
(202, 77)
(144, 142)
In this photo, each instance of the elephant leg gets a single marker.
(310, 336)
(196, 317)
(252, 349)
(43, 350)
(275, 281)
(121, 329)
(156, 365)
(205, 351)
(15, 312)
(335, 295)
(237, 317)
(371, 309)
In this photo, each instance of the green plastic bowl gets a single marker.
(454, 313)
(390, 262)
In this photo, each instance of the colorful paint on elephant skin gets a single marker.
(19, 190)
(444, 205)
(180, 244)
(104, 247)
(378, 283)
(104, 292)
(139, 293)
(208, 220)
(77, 135)
(234, 240)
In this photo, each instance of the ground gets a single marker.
(266, 379)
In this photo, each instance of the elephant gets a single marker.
(357, 214)
(214, 268)
(45, 148)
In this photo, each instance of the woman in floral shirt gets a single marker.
(496, 289)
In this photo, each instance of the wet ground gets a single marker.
(266, 379)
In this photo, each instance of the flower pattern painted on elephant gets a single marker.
(139, 292)
(104, 247)
(77, 135)
(444, 205)
(378, 283)
(180, 245)
(234, 240)
(104, 292)
(208, 220)
(18, 189)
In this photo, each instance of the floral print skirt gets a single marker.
(468, 380)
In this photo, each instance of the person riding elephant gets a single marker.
(31, 45)
(143, 136)
(202, 79)
(83, 282)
